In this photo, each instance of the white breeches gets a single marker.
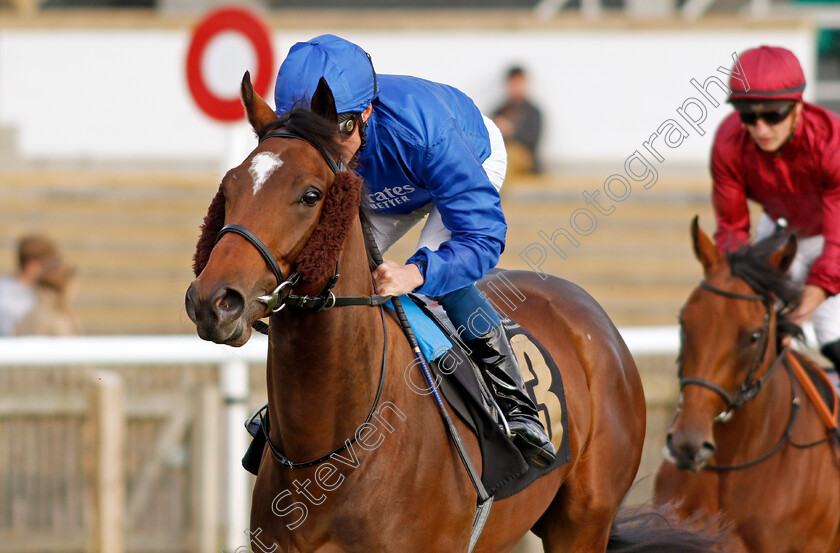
(827, 316)
(390, 227)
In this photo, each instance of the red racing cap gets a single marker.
(766, 73)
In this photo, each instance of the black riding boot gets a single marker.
(501, 371)
(832, 352)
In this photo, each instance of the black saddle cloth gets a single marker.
(504, 471)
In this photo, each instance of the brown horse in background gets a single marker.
(406, 489)
(746, 441)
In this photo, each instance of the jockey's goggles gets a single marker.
(347, 123)
(773, 117)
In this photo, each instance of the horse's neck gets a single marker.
(324, 367)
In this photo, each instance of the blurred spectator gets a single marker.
(34, 299)
(53, 290)
(17, 291)
(520, 122)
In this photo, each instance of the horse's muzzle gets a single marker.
(688, 452)
(218, 315)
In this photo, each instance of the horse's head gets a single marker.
(729, 332)
(286, 209)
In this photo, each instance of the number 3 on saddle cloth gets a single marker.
(504, 470)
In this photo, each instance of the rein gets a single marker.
(285, 461)
(786, 437)
(325, 300)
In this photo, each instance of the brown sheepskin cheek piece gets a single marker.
(341, 207)
(321, 252)
(213, 222)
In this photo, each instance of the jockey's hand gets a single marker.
(812, 297)
(393, 279)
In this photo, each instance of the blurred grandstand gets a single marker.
(132, 231)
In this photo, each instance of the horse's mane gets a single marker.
(341, 203)
(749, 263)
(210, 227)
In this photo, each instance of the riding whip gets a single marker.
(485, 500)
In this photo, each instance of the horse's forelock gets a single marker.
(319, 131)
(210, 228)
(749, 263)
(341, 206)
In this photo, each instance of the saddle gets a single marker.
(504, 470)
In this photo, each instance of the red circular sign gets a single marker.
(228, 19)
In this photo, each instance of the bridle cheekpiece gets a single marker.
(750, 387)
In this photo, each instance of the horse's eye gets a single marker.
(310, 198)
(755, 336)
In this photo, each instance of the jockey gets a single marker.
(784, 154)
(424, 149)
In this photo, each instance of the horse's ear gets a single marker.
(259, 112)
(323, 101)
(783, 256)
(704, 249)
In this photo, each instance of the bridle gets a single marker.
(282, 297)
(750, 387)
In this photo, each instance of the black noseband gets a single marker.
(257, 243)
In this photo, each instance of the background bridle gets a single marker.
(750, 387)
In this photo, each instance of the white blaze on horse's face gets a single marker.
(262, 165)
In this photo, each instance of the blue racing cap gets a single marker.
(346, 67)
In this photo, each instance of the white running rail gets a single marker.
(233, 380)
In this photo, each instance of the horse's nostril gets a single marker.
(230, 303)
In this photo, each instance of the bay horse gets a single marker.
(400, 486)
(746, 442)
